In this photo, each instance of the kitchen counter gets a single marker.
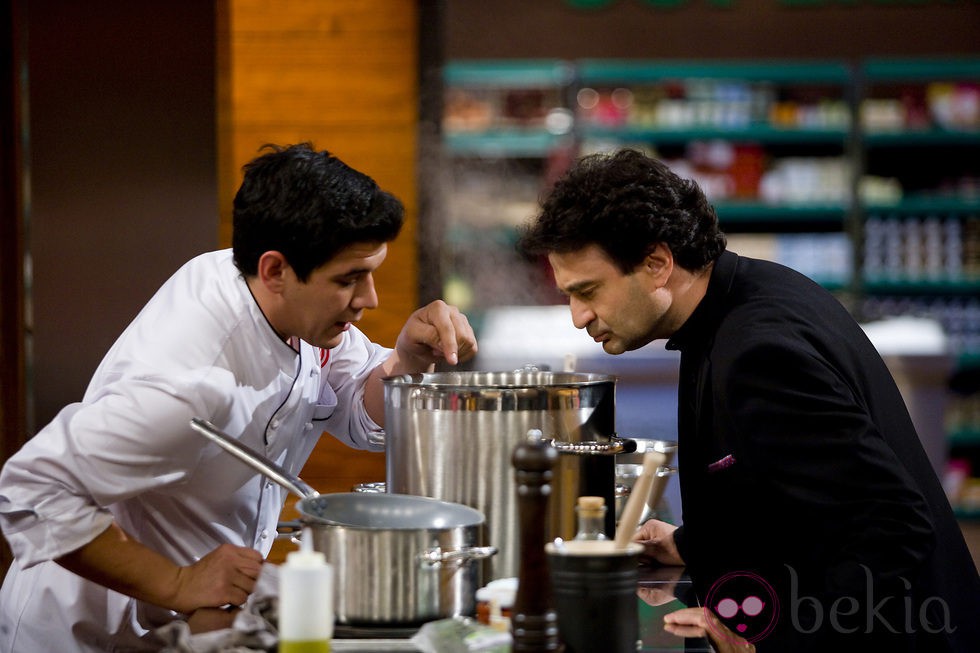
(661, 590)
(372, 645)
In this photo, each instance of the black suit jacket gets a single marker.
(803, 481)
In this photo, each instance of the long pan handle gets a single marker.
(254, 459)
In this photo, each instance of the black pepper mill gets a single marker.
(534, 622)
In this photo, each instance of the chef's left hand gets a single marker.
(435, 332)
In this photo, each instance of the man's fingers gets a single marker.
(446, 339)
(251, 567)
(244, 584)
(687, 617)
(688, 622)
(465, 338)
(698, 622)
(454, 338)
(435, 332)
(685, 631)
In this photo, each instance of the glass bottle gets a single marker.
(591, 516)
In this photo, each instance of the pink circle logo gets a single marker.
(745, 603)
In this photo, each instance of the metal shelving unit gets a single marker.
(917, 127)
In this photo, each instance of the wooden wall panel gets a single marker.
(342, 75)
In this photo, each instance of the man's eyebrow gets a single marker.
(576, 287)
(355, 272)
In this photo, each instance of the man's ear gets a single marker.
(659, 264)
(272, 270)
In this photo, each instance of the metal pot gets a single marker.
(398, 559)
(451, 435)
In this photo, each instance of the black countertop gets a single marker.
(661, 590)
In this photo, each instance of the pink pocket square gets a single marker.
(724, 463)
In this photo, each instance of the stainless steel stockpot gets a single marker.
(397, 559)
(451, 435)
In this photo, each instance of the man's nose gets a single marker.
(582, 315)
(366, 295)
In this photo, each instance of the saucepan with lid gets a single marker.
(398, 559)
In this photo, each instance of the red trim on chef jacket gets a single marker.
(324, 357)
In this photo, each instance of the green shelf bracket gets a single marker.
(966, 514)
(925, 205)
(629, 71)
(964, 438)
(921, 286)
(518, 73)
(729, 212)
(921, 69)
(501, 143)
(748, 133)
(922, 137)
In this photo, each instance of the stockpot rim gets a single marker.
(455, 380)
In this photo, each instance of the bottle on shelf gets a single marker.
(591, 516)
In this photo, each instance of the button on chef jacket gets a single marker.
(200, 348)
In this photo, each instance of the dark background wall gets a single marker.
(122, 171)
(699, 29)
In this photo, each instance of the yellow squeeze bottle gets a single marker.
(305, 600)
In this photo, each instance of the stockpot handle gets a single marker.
(595, 448)
(289, 530)
(436, 555)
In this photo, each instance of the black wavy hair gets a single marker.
(626, 203)
(308, 205)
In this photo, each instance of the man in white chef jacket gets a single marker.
(121, 518)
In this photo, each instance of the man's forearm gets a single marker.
(374, 389)
(115, 560)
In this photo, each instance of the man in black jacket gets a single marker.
(812, 519)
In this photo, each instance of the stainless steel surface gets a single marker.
(613, 447)
(377, 487)
(382, 547)
(451, 436)
(253, 458)
(437, 556)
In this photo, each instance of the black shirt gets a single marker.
(803, 481)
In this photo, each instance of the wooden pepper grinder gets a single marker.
(534, 622)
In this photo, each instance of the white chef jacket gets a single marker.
(200, 348)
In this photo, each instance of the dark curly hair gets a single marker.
(308, 205)
(626, 203)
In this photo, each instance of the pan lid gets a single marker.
(387, 511)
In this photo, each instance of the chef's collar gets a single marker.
(279, 348)
(706, 316)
